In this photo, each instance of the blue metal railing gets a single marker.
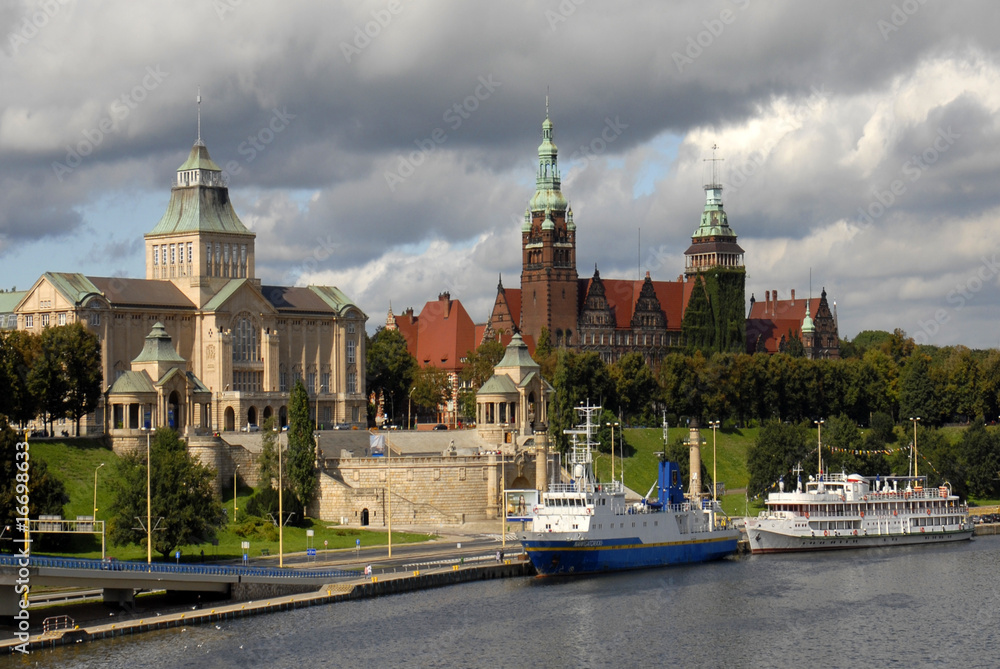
(162, 568)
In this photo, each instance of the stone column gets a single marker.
(492, 487)
(541, 457)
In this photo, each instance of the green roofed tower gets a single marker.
(200, 243)
(715, 319)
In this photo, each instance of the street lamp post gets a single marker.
(95, 490)
(281, 507)
(715, 481)
(149, 499)
(409, 408)
(915, 468)
(235, 508)
(819, 444)
(613, 426)
(388, 497)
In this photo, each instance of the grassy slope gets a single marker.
(74, 462)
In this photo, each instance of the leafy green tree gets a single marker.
(778, 448)
(46, 493)
(467, 405)
(81, 360)
(265, 504)
(267, 461)
(989, 385)
(18, 351)
(981, 450)
(794, 346)
(300, 461)
(390, 369)
(580, 378)
(635, 384)
(546, 356)
(917, 393)
(184, 508)
(431, 388)
(480, 362)
(961, 384)
(47, 380)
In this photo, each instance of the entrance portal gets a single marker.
(364, 517)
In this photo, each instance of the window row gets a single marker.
(226, 260)
(176, 254)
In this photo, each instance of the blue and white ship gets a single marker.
(584, 527)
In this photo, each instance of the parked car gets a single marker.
(250, 427)
(342, 426)
(440, 426)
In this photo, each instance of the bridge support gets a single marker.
(9, 601)
(120, 596)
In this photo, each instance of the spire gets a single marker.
(807, 322)
(548, 183)
(198, 142)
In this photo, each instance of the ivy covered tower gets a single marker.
(548, 253)
(715, 315)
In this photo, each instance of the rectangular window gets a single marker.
(45, 320)
(243, 261)
(190, 252)
(324, 382)
(284, 382)
(62, 319)
(311, 382)
(208, 258)
(29, 321)
(327, 414)
(352, 382)
(350, 328)
(173, 254)
(156, 254)
(95, 319)
(351, 351)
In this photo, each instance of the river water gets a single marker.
(889, 607)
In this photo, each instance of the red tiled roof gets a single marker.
(772, 320)
(514, 303)
(790, 309)
(441, 335)
(622, 295)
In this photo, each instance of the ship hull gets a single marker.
(587, 556)
(767, 541)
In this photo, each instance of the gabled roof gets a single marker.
(623, 293)
(513, 296)
(498, 384)
(441, 335)
(132, 383)
(784, 309)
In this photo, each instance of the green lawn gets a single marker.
(641, 467)
(74, 462)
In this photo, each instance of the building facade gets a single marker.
(246, 342)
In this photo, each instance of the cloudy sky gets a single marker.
(389, 147)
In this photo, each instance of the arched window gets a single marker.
(246, 343)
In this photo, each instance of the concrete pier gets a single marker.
(361, 588)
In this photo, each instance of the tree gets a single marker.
(81, 359)
(580, 378)
(47, 381)
(545, 355)
(917, 393)
(390, 369)
(46, 494)
(18, 351)
(184, 508)
(778, 448)
(480, 362)
(981, 450)
(431, 387)
(635, 384)
(300, 463)
(267, 461)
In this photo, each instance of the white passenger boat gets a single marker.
(585, 527)
(840, 511)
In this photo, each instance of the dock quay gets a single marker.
(360, 588)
